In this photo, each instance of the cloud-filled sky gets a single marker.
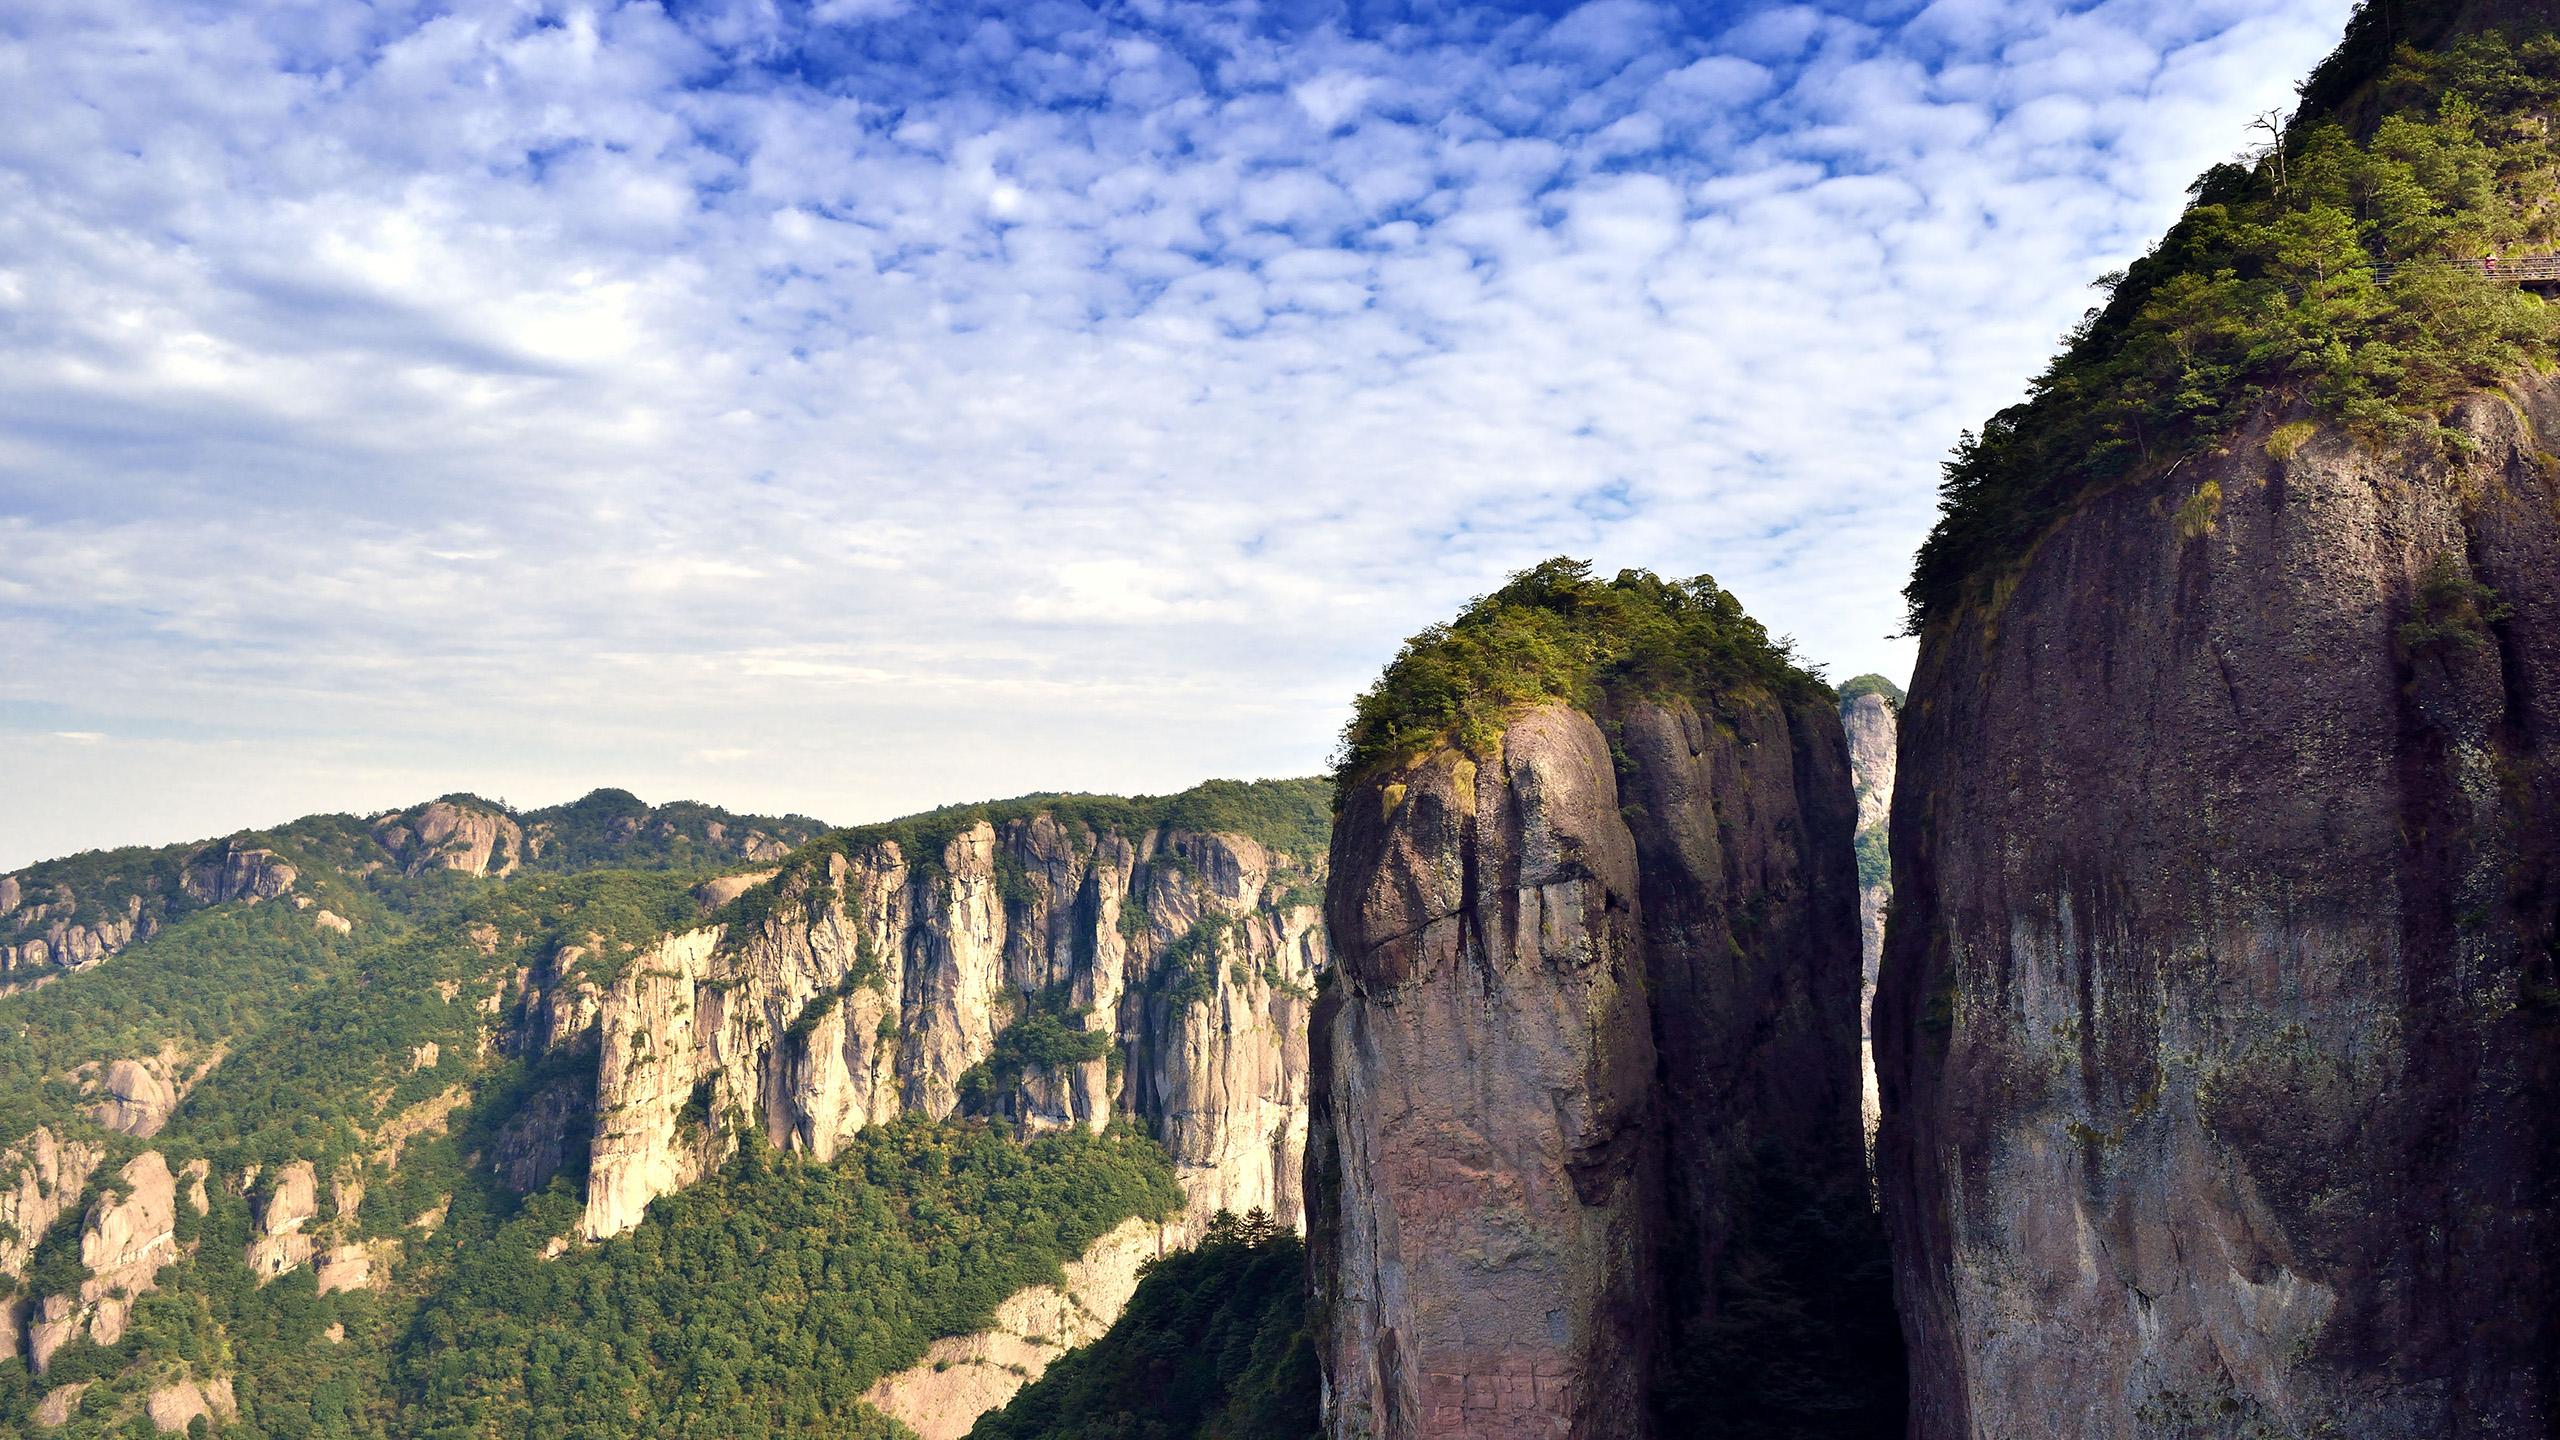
(853, 406)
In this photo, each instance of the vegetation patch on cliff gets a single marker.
(1872, 684)
(2308, 274)
(1556, 633)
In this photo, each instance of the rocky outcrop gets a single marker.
(1873, 742)
(965, 978)
(54, 934)
(962, 1378)
(69, 916)
(135, 1098)
(231, 871)
(129, 1233)
(281, 1241)
(1586, 994)
(172, 1407)
(41, 1178)
(456, 833)
(2219, 1028)
(355, 1265)
(61, 1403)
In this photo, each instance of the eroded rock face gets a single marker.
(452, 835)
(229, 871)
(1873, 743)
(1578, 1000)
(172, 1406)
(54, 935)
(124, 1241)
(282, 1242)
(878, 986)
(2219, 1032)
(1490, 1085)
(41, 1177)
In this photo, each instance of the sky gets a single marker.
(849, 407)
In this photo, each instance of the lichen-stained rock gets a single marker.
(1490, 1085)
(2219, 1029)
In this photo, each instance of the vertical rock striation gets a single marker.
(2220, 1032)
(1595, 995)
(1036, 969)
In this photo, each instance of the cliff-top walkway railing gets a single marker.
(2531, 270)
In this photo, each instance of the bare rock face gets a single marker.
(2219, 1030)
(281, 1242)
(1490, 1085)
(453, 834)
(40, 1178)
(222, 873)
(1581, 999)
(356, 1265)
(129, 1233)
(174, 1406)
(1873, 744)
(136, 1098)
(877, 984)
(61, 1403)
(55, 934)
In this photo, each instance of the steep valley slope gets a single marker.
(380, 1127)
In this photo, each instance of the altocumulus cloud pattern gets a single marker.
(857, 405)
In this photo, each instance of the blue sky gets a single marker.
(853, 406)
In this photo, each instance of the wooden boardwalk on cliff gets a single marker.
(2534, 272)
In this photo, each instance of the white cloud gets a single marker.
(911, 404)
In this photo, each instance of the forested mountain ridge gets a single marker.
(64, 914)
(322, 1122)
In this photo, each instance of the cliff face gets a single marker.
(1873, 744)
(1589, 997)
(1035, 970)
(2219, 1032)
